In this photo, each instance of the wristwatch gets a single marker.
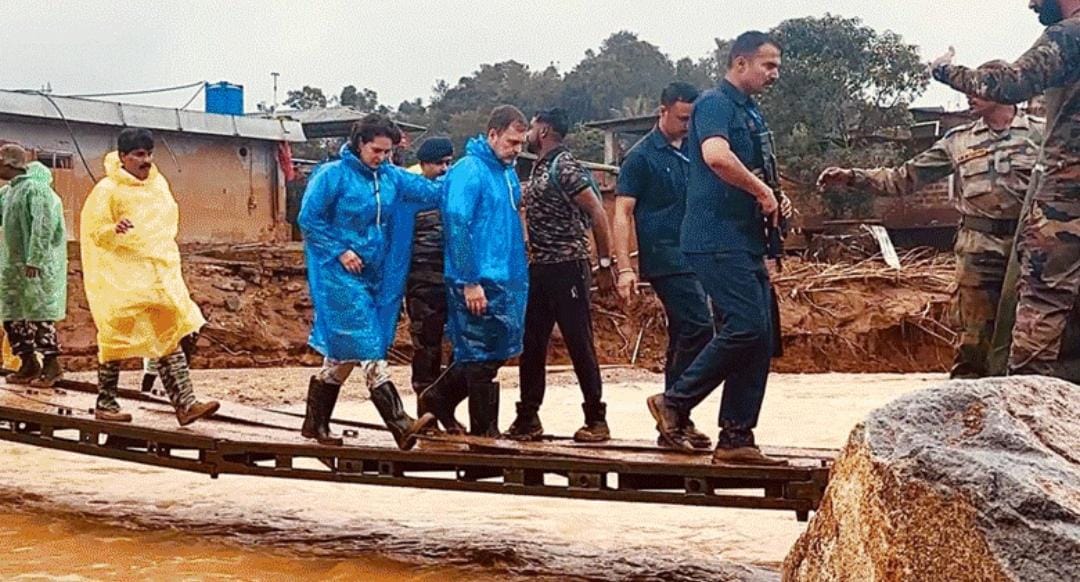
(605, 262)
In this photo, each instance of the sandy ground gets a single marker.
(432, 529)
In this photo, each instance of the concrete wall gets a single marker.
(229, 189)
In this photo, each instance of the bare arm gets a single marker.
(623, 229)
(716, 151)
(592, 206)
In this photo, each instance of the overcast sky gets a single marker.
(400, 47)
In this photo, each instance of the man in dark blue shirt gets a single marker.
(723, 240)
(650, 202)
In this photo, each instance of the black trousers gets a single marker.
(559, 294)
(690, 324)
(739, 355)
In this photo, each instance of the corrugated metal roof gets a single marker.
(639, 122)
(160, 118)
(337, 114)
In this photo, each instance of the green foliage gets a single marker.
(587, 144)
(625, 67)
(843, 90)
(306, 98)
(364, 100)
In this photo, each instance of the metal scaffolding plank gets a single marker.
(253, 442)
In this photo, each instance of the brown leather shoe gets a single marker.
(696, 438)
(197, 411)
(111, 415)
(748, 455)
(667, 422)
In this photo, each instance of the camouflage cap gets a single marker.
(13, 156)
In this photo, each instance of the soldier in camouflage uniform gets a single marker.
(425, 289)
(992, 158)
(1049, 244)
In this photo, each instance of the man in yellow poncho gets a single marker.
(33, 266)
(131, 270)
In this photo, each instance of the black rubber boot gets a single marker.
(596, 428)
(484, 409)
(402, 426)
(442, 398)
(51, 373)
(29, 370)
(526, 427)
(321, 398)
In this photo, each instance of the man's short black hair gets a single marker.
(503, 116)
(374, 125)
(134, 138)
(748, 43)
(555, 118)
(678, 92)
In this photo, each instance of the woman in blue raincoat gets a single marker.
(487, 275)
(357, 245)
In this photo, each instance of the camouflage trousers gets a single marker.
(28, 337)
(1049, 250)
(979, 276)
(175, 377)
(425, 303)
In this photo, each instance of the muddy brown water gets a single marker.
(69, 517)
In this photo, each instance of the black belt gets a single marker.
(997, 226)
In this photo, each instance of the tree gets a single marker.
(624, 68)
(364, 100)
(843, 92)
(587, 144)
(702, 73)
(306, 98)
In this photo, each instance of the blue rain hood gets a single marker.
(485, 244)
(350, 206)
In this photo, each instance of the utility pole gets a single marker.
(273, 109)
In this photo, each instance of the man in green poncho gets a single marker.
(33, 266)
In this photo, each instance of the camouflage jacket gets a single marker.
(558, 227)
(1051, 66)
(993, 169)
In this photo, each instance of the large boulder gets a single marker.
(971, 480)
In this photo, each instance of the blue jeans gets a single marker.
(739, 355)
(690, 325)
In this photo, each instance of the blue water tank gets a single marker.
(224, 98)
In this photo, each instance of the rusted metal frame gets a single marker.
(531, 489)
(798, 488)
(550, 463)
(158, 444)
(585, 484)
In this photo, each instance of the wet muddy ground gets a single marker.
(64, 516)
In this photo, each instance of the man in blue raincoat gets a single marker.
(487, 276)
(357, 242)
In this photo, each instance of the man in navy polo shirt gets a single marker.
(723, 240)
(650, 203)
